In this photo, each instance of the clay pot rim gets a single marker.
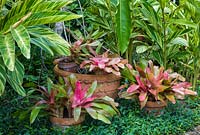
(65, 73)
(66, 121)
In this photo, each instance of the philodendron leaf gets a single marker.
(92, 89)
(7, 49)
(34, 114)
(21, 36)
(123, 19)
(77, 113)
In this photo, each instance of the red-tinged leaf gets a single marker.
(121, 65)
(166, 75)
(92, 67)
(190, 92)
(52, 97)
(124, 61)
(114, 61)
(115, 67)
(122, 86)
(171, 98)
(161, 74)
(108, 69)
(84, 63)
(141, 72)
(133, 88)
(182, 85)
(78, 43)
(129, 66)
(140, 83)
(143, 103)
(142, 96)
(152, 91)
(116, 73)
(41, 102)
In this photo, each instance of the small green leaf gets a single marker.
(91, 89)
(77, 113)
(103, 118)
(92, 112)
(34, 114)
(142, 48)
(2, 83)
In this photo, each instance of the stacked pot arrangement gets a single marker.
(104, 69)
(94, 92)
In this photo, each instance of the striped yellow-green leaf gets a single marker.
(7, 49)
(40, 43)
(123, 20)
(49, 17)
(15, 78)
(2, 83)
(21, 36)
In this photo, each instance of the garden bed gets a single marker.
(176, 120)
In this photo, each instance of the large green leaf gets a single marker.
(50, 5)
(21, 36)
(42, 44)
(46, 36)
(7, 49)
(123, 20)
(49, 17)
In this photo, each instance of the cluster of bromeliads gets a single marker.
(92, 87)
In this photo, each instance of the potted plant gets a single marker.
(69, 63)
(67, 102)
(104, 68)
(154, 86)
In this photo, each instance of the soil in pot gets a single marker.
(66, 64)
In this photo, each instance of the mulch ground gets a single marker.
(195, 131)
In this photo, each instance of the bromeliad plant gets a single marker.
(104, 63)
(155, 84)
(76, 100)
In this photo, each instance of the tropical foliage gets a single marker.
(76, 99)
(24, 26)
(155, 84)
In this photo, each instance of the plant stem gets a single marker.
(164, 42)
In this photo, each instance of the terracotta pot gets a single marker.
(61, 122)
(107, 84)
(154, 105)
(66, 64)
